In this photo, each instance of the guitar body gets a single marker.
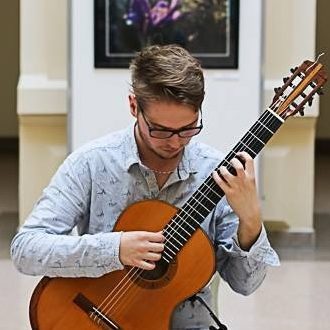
(128, 299)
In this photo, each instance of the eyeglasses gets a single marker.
(166, 133)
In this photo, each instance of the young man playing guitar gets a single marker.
(154, 159)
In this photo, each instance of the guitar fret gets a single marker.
(175, 231)
(226, 161)
(263, 135)
(173, 240)
(193, 208)
(257, 144)
(248, 147)
(189, 215)
(210, 188)
(168, 255)
(266, 128)
(256, 138)
(176, 240)
(169, 251)
(168, 261)
(208, 195)
(200, 203)
(169, 241)
(205, 196)
(186, 222)
(229, 166)
(275, 114)
(175, 234)
(183, 229)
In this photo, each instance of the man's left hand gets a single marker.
(241, 193)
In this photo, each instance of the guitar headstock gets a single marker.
(299, 89)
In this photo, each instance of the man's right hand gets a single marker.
(141, 248)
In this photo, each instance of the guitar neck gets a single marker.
(189, 218)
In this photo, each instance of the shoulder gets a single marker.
(201, 158)
(200, 151)
(105, 145)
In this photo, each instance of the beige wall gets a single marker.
(323, 45)
(287, 171)
(41, 154)
(289, 35)
(43, 91)
(288, 177)
(9, 64)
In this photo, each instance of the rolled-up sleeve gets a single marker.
(243, 270)
(45, 244)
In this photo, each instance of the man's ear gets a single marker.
(132, 105)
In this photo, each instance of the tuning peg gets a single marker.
(310, 101)
(301, 111)
(293, 70)
(277, 89)
(320, 91)
(285, 79)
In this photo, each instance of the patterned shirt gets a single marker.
(69, 231)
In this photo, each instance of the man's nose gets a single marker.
(175, 140)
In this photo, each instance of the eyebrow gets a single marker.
(171, 129)
(164, 127)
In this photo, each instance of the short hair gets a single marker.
(167, 73)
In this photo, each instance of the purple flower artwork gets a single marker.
(146, 17)
(207, 28)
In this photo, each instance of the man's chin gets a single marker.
(170, 154)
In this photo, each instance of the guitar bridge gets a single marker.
(89, 308)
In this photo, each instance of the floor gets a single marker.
(295, 295)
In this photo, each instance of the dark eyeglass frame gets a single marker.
(182, 132)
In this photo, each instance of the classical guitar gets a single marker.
(134, 299)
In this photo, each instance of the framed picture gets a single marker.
(206, 28)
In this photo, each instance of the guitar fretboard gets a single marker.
(187, 219)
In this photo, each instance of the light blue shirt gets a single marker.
(89, 192)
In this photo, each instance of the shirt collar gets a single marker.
(131, 150)
(186, 165)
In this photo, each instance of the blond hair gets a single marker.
(167, 73)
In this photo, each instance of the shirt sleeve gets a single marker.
(45, 244)
(243, 270)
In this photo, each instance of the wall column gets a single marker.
(41, 96)
(287, 174)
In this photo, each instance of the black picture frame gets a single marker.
(206, 28)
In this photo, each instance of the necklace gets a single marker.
(162, 172)
(158, 171)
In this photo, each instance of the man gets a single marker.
(154, 159)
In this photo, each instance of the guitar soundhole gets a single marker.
(157, 273)
(158, 277)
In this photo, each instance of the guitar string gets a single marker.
(239, 145)
(242, 141)
(266, 127)
(173, 229)
(126, 290)
(206, 183)
(243, 149)
(116, 305)
(253, 138)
